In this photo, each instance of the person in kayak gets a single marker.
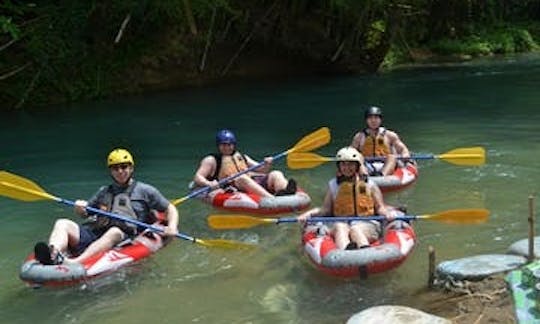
(229, 161)
(351, 193)
(126, 197)
(377, 141)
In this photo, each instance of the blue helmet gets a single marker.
(373, 111)
(225, 136)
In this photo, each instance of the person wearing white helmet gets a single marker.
(377, 141)
(229, 161)
(350, 193)
(124, 196)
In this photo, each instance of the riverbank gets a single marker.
(482, 302)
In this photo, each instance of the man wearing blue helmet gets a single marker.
(377, 141)
(228, 161)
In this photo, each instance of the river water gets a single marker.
(492, 103)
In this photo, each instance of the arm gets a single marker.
(380, 207)
(399, 146)
(206, 169)
(357, 141)
(324, 210)
(265, 168)
(172, 221)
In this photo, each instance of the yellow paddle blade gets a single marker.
(465, 156)
(305, 160)
(225, 244)
(232, 221)
(312, 141)
(459, 216)
(179, 201)
(17, 187)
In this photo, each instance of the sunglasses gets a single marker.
(122, 166)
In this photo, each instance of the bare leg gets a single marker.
(341, 235)
(65, 233)
(245, 183)
(277, 181)
(358, 236)
(105, 242)
(390, 165)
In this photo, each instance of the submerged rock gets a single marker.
(521, 247)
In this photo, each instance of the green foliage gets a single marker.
(375, 34)
(8, 27)
(498, 40)
(70, 52)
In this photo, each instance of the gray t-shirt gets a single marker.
(144, 198)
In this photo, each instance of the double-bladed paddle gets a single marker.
(17, 187)
(452, 216)
(470, 156)
(309, 142)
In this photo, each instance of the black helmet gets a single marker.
(373, 111)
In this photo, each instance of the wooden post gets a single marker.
(531, 229)
(431, 278)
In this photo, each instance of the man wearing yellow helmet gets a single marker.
(124, 196)
(350, 193)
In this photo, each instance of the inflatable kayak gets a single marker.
(402, 177)
(250, 203)
(36, 274)
(385, 254)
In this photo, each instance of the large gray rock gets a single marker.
(388, 314)
(521, 247)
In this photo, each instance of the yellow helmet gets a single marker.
(119, 156)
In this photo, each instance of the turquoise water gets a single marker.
(491, 103)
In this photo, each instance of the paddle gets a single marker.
(453, 216)
(17, 187)
(460, 156)
(309, 142)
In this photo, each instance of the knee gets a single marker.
(242, 180)
(341, 227)
(115, 234)
(63, 223)
(275, 174)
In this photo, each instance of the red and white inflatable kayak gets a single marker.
(36, 274)
(253, 204)
(402, 177)
(385, 254)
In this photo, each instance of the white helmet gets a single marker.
(349, 153)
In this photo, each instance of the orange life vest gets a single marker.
(353, 199)
(375, 145)
(231, 164)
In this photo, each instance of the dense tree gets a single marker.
(55, 51)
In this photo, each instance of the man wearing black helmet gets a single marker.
(228, 161)
(377, 141)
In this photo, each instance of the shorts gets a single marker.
(86, 237)
(261, 180)
(374, 167)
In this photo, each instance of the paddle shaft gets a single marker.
(125, 219)
(343, 219)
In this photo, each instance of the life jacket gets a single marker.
(351, 198)
(227, 165)
(375, 145)
(119, 203)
